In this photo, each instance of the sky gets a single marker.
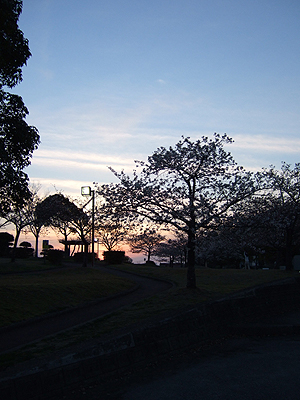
(111, 81)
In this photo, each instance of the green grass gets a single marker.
(212, 281)
(24, 296)
(25, 265)
(64, 288)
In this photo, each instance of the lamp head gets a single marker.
(86, 190)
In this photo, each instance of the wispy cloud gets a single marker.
(68, 186)
(81, 157)
(67, 164)
(81, 142)
(267, 143)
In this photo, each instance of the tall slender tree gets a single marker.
(36, 224)
(20, 218)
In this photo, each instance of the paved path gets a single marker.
(244, 369)
(264, 365)
(34, 330)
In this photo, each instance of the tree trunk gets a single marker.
(85, 254)
(37, 245)
(191, 274)
(289, 250)
(13, 254)
(67, 247)
(191, 247)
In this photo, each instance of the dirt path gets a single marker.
(33, 330)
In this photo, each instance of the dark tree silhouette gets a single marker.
(14, 49)
(145, 242)
(271, 219)
(174, 250)
(18, 140)
(112, 232)
(189, 186)
(62, 214)
(20, 218)
(36, 226)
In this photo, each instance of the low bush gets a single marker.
(23, 252)
(150, 264)
(55, 256)
(114, 257)
(128, 260)
(79, 257)
(6, 240)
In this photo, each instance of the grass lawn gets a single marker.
(213, 282)
(25, 265)
(23, 296)
(27, 295)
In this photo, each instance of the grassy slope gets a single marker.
(68, 287)
(213, 281)
(24, 296)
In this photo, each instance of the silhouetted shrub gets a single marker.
(55, 256)
(114, 257)
(79, 257)
(6, 240)
(150, 264)
(25, 244)
(23, 252)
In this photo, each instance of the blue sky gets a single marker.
(110, 81)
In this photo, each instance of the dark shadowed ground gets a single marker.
(22, 334)
(260, 368)
(263, 365)
(261, 362)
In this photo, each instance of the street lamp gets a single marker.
(87, 191)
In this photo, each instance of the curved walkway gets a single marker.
(24, 333)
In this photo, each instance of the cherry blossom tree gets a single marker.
(275, 213)
(190, 186)
(268, 222)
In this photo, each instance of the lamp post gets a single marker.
(87, 191)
